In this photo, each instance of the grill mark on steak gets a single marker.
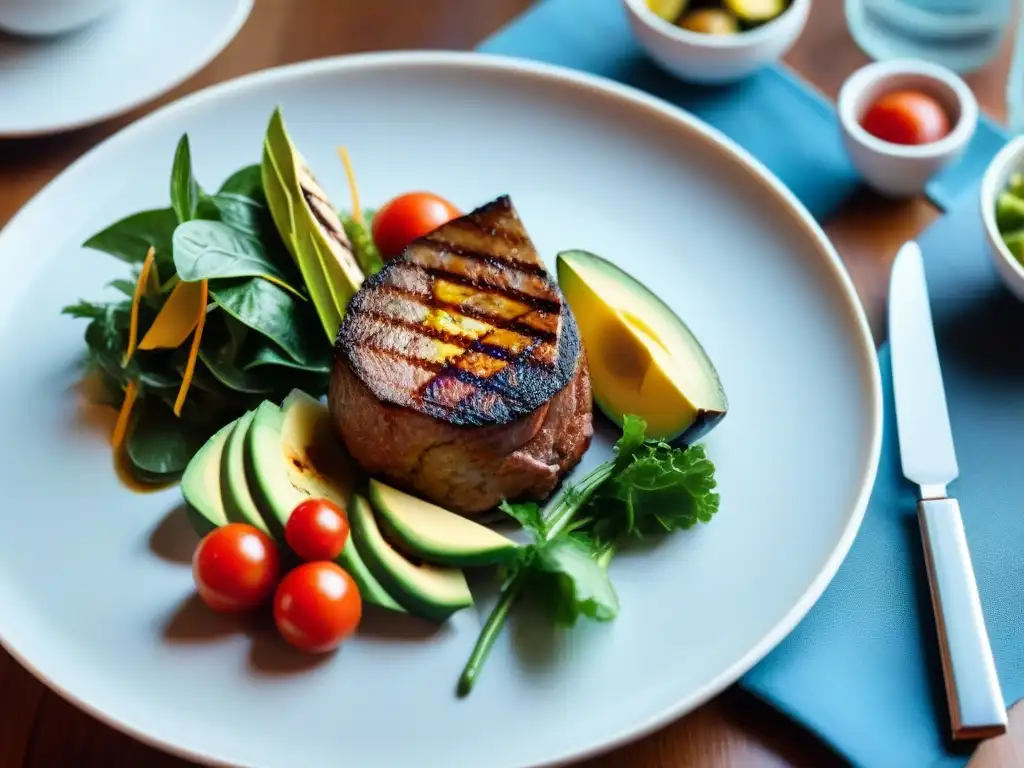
(489, 258)
(434, 301)
(498, 322)
(481, 286)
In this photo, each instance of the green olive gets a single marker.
(710, 21)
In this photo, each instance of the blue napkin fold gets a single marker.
(862, 669)
(775, 115)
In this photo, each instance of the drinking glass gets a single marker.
(962, 35)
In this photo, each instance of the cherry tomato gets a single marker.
(907, 117)
(317, 530)
(317, 606)
(235, 568)
(408, 216)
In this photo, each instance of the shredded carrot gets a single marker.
(190, 366)
(133, 323)
(357, 211)
(121, 425)
(177, 317)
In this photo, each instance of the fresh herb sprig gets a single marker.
(648, 488)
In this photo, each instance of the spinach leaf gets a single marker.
(247, 182)
(131, 238)
(185, 191)
(160, 443)
(241, 213)
(211, 250)
(265, 353)
(273, 312)
(234, 378)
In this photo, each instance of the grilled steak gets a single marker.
(458, 369)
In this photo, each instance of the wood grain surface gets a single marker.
(38, 729)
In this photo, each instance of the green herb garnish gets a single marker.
(648, 488)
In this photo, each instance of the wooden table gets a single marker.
(39, 730)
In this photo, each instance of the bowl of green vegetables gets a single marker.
(1002, 211)
(716, 41)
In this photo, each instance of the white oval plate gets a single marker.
(140, 50)
(94, 582)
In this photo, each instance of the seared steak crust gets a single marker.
(465, 469)
(458, 370)
(466, 326)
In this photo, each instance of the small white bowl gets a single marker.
(703, 58)
(1009, 160)
(902, 170)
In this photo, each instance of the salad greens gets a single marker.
(648, 488)
(259, 337)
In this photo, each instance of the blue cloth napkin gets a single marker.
(862, 669)
(808, 156)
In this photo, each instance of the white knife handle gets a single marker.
(975, 700)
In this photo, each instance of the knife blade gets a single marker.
(928, 459)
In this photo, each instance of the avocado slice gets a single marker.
(238, 502)
(309, 226)
(200, 485)
(291, 453)
(643, 358)
(435, 534)
(426, 591)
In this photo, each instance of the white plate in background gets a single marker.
(141, 50)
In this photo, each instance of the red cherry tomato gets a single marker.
(235, 568)
(407, 217)
(317, 530)
(317, 606)
(907, 117)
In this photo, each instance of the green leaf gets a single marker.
(631, 440)
(243, 214)
(567, 573)
(247, 182)
(528, 514)
(273, 312)
(268, 354)
(131, 238)
(127, 287)
(663, 489)
(211, 250)
(185, 191)
(363, 247)
(85, 309)
(160, 443)
(234, 378)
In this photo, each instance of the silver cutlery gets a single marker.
(926, 451)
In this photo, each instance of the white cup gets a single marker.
(50, 17)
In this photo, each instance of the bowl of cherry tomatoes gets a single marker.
(903, 121)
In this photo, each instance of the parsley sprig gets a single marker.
(648, 488)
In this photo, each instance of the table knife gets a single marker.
(975, 700)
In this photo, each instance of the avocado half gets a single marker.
(643, 358)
